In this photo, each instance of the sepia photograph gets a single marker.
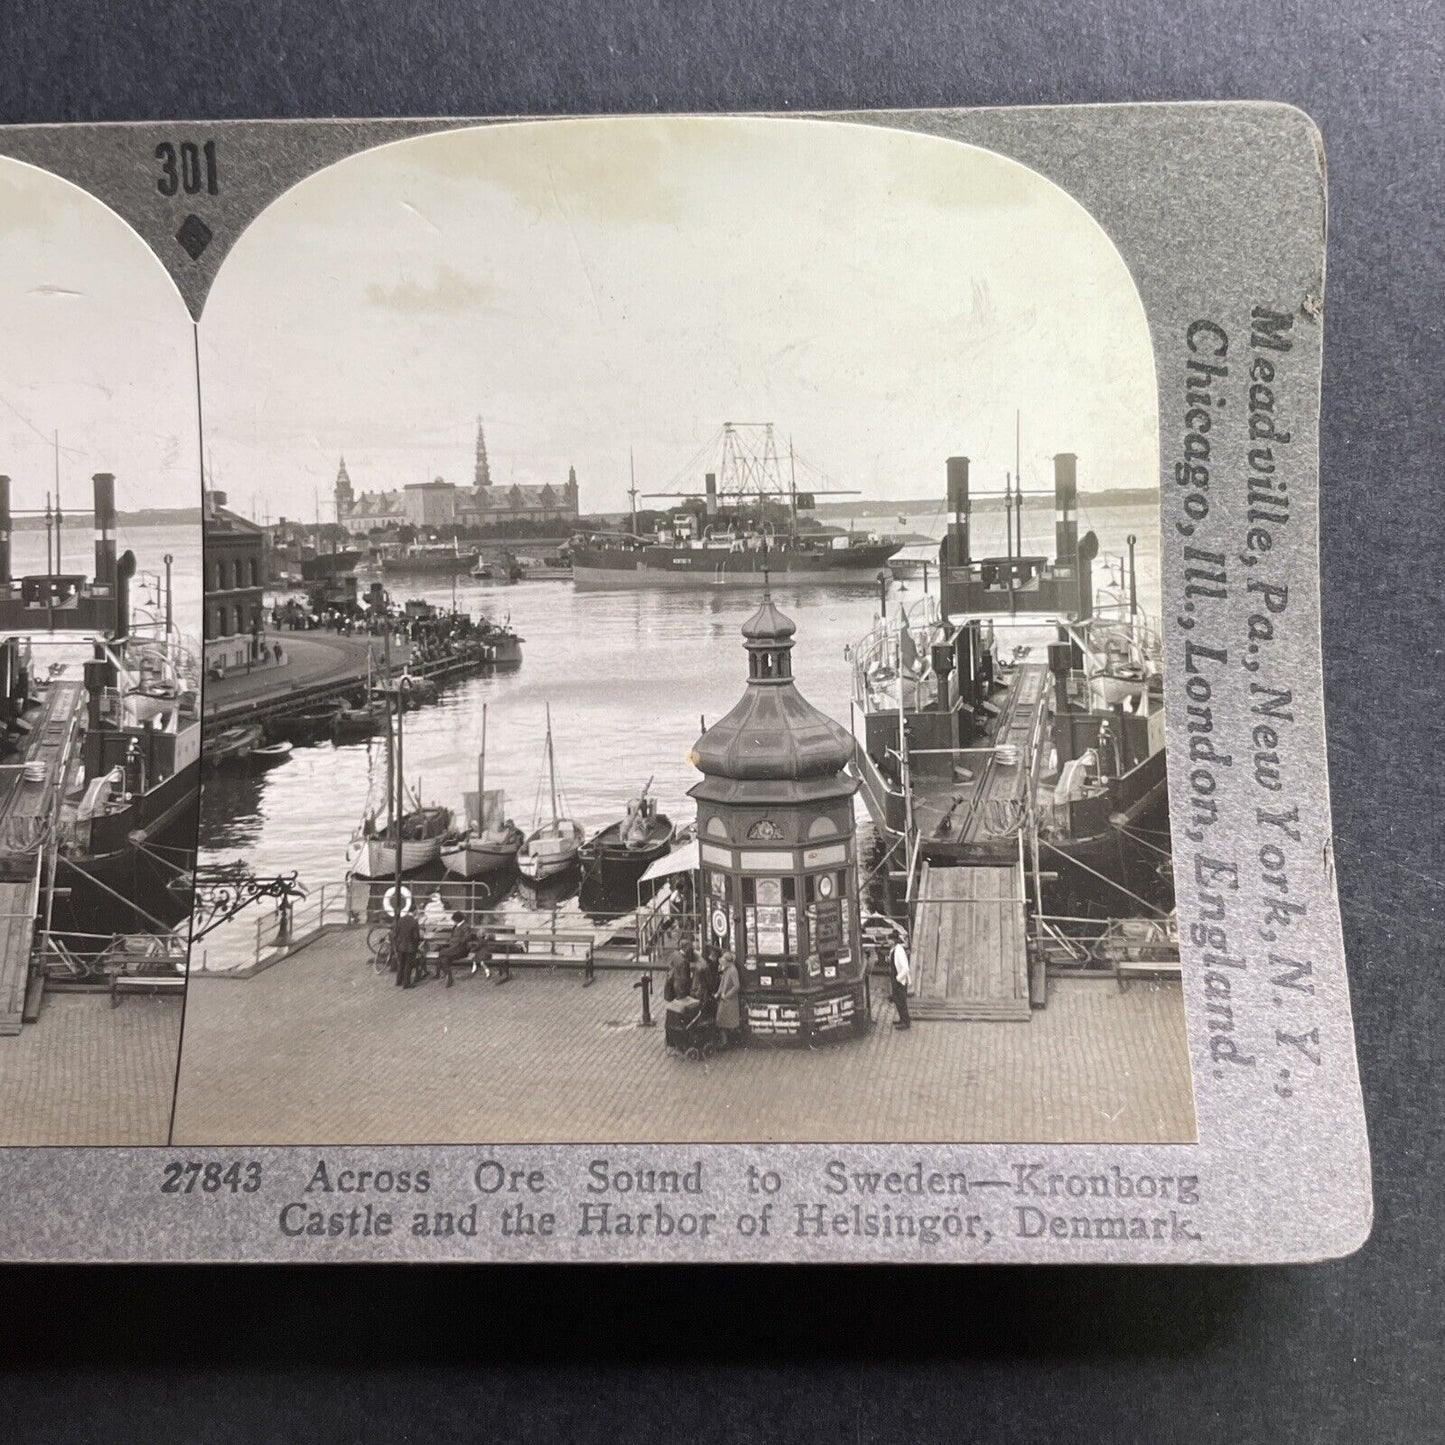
(682, 652)
(100, 592)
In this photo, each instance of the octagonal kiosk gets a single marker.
(777, 853)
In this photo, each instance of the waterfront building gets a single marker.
(439, 504)
(235, 580)
(777, 852)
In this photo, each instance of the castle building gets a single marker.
(438, 504)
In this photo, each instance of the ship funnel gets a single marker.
(1066, 509)
(710, 484)
(104, 484)
(124, 571)
(4, 529)
(956, 553)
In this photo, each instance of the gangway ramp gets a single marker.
(970, 946)
(30, 789)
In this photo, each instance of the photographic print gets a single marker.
(709, 574)
(100, 573)
(671, 687)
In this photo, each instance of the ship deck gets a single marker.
(980, 815)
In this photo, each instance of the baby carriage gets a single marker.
(688, 1031)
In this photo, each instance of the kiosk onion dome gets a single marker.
(774, 745)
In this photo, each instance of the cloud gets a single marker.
(445, 294)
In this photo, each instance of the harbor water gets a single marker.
(631, 678)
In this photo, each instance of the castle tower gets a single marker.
(482, 476)
(778, 858)
(345, 497)
(572, 489)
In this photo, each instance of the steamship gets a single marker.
(119, 694)
(746, 523)
(1019, 706)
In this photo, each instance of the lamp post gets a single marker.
(403, 689)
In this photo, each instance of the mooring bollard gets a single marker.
(645, 984)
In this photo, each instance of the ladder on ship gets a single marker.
(970, 944)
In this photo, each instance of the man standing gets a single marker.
(408, 946)
(901, 977)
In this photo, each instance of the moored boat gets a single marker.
(233, 745)
(1032, 715)
(269, 754)
(422, 831)
(353, 724)
(620, 854)
(490, 841)
(555, 844)
(305, 728)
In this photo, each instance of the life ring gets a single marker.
(388, 901)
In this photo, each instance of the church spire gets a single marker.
(483, 474)
(345, 497)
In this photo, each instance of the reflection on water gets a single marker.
(631, 678)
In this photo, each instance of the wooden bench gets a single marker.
(144, 983)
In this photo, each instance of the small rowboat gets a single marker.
(355, 723)
(303, 729)
(233, 745)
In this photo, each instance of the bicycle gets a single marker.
(381, 945)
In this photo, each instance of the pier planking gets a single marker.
(970, 953)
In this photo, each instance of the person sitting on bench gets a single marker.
(458, 946)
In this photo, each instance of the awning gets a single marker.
(680, 860)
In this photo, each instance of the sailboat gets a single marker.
(420, 829)
(490, 840)
(552, 847)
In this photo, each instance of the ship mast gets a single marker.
(551, 765)
(482, 777)
(59, 517)
(632, 488)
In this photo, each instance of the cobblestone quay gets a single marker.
(320, 1049)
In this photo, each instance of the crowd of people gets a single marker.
(711, 993)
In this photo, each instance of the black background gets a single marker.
(1344, 1351)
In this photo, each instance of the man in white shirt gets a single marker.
(901, 977)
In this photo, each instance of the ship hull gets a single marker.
(1080, 868)
(133, 863)
(681, 567)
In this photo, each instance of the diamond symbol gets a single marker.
(194, 236)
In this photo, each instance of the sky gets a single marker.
(97, 346)
(595, 287)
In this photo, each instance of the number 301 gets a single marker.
(187, 167)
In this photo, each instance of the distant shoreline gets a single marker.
(1112, 497)
(82, 519)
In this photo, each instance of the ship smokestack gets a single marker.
(956, 554)
(1066, 509)
(710, 484)
(124, 571)
(104, 484)
(4, 529)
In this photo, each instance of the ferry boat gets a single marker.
(745, 524)
(102, 810)
(1018, 705)
(730, 556)
(424, 558)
